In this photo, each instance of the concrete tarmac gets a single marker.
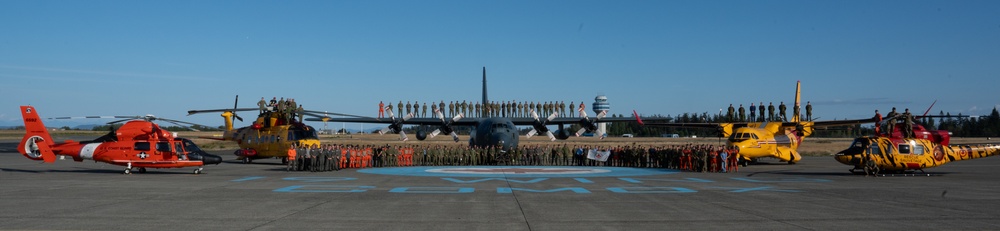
(818, 194)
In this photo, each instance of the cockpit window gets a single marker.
(874, 150)
(858, 144)
(302, 134)
(190, 146)
(178, 147)
(740, 136)
(142, 146)
(918, 149)
(163, 146)
(904, 149)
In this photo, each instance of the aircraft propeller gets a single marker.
(396, 126)
(590, 125)
(539, 125)
(446, 125)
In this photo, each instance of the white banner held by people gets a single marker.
(601, 156)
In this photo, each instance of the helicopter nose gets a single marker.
(208, 159)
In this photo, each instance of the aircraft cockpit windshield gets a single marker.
(302, 134)
(858, 146)
(189, 146)
(742, 136)
(500, 126)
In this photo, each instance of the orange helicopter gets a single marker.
(138, 143)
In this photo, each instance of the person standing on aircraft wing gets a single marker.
(753, 114)
(890, 124)
(301, 112)
(399, 108)
(434, 107)
(770, 111)
(381, 109)
(796, 110)
(409, 107)
(571, 105)
(424, 112)
(730, 112)
(781, 111)
(878, 122)
(416, 108)
(451, 109)
(743, 116)
(291, 111)
(562, 108)
(441, 107)
(262, 104)
(809, 111)
(280, 106)
(465, 107)
(908, 123)
(760, 108)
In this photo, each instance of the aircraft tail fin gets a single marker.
(798, 97)
(37, 143)
(485, 98)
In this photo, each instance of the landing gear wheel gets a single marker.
(128, 171)
(142, 170)
(247, 160)
(791, 162)
(197, 171)
(284, 160)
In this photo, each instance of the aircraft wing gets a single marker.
(834, 123)
(571, 120)
(686, 125)
(410, 121)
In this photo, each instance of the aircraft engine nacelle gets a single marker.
(941, 137)
(562, 134)
(540, 127)
(421, 134)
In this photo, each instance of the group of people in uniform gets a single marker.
(284, 110)
(892, 119)
(688, 157)
(489, 109)
(741, 115)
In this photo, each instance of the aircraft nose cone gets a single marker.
(208, 159)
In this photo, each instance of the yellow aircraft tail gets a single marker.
(798, 96)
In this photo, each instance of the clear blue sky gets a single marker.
(76, 58)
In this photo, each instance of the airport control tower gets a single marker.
(601, 104)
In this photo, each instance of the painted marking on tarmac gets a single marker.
(249, 178)
(518, 171)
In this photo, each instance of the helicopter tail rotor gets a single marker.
(36, 142)
(234, 108)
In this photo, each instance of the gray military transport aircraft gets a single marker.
(489, 131)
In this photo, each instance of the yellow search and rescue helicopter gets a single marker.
(270, 135)
(892, 152)
(775, 139)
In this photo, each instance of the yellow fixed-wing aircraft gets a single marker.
(779, 140)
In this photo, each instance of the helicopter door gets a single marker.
(163, 148)
(179, 149)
